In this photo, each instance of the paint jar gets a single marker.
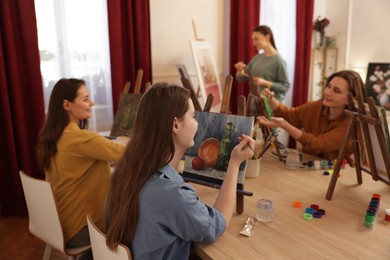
(317, 164)
(293, 161)
(264, 210)
(252, 168)
(310, 165)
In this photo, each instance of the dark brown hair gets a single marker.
(151, 146)
(265, 30)
(353, 78)
(57, 119)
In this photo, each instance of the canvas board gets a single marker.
(211, 131)
(125, 115)
(379, 163)
(207, 73)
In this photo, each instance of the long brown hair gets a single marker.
(150, 147)
(353, 78)
(265, 30)
(57, 119)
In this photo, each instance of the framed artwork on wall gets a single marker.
(378, 83)
(207, 72)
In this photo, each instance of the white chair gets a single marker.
(44, 222)
(100, 250)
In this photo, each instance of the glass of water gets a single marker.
(265, 210)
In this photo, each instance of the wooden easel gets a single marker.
(195, 32)
(225, 110)
(241, 112)
(256, 97)
(362, 119)
(124, 97)
(186, 81)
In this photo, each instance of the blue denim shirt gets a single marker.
(171, 217)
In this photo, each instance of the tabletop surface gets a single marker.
(339, 234)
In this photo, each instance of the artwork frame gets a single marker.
(212, 130)
(206, 70)
(378, 83)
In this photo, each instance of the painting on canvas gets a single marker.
(125, 115)
(207, 73)
(217, 135)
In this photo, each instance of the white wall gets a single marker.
(361, 30)
(337, 13)
(370, 33)
(172, 31)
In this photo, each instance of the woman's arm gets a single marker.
(226, 200)
(100, 148)
(330, 140)
(281, 123)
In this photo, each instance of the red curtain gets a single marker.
(304, 23)
(244, 17)
(129, 35)
(21, 100)
(304, 27)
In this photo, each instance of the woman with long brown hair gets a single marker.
(319, 126)
(149, 207)
(75, 160)
(267, 69)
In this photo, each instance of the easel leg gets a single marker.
(240, 203)
(340, 157)
(357, 156)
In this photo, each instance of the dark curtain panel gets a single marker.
(244, 17)
(304, 25)
(21, 100)
(129, 35)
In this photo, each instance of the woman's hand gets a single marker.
(271, 99)
(268, 93)
(261, 82)
(240, 66)
(281, 123)
(243, 150)
(274, 122)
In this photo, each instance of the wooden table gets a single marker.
(340, 234)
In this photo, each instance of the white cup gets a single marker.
(252, 168)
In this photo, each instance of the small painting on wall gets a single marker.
(378, 83)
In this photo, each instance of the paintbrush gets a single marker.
(241, 135)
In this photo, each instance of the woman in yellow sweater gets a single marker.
(75, 160)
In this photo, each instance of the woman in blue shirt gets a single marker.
(149, 206)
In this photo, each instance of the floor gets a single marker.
(16, 242)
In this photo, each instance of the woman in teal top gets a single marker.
(268, 69)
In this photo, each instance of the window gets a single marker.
(73, 43)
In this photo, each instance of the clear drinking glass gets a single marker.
(265, 210)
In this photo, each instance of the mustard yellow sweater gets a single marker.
(79, 174)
